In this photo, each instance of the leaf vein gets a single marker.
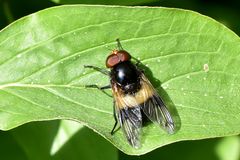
(86, 50)
(52, 38)
(205, 110)
(28, 100)
(56, 93)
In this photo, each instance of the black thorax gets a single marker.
(127, 76)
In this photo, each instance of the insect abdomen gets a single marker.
(139, 97)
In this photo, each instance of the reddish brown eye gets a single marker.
(123, 55)
(117, 57)
(112, 60)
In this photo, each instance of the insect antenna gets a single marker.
(119, 46)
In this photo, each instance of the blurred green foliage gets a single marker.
(34, 140)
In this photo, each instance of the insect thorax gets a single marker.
(127, 76)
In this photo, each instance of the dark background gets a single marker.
(226, 12)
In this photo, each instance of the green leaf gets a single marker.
(10, 146)
(225, 148)
(38, 139)
(67, 129)
(106, 2)
(35, 139)
(86, 145)
(228, 148)
(192, 61)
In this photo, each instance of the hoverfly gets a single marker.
(133, 96)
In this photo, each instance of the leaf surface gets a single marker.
(192, 60)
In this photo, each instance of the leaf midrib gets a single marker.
(45, 87)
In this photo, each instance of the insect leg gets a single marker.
(115, 118)
(102, 70)
(100, 88)
(96, 86)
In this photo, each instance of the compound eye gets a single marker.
(112, 60)
(123, 56)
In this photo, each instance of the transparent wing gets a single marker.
(155, 109)
(131, 122)
(129, 116)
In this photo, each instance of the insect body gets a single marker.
(133, 93)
